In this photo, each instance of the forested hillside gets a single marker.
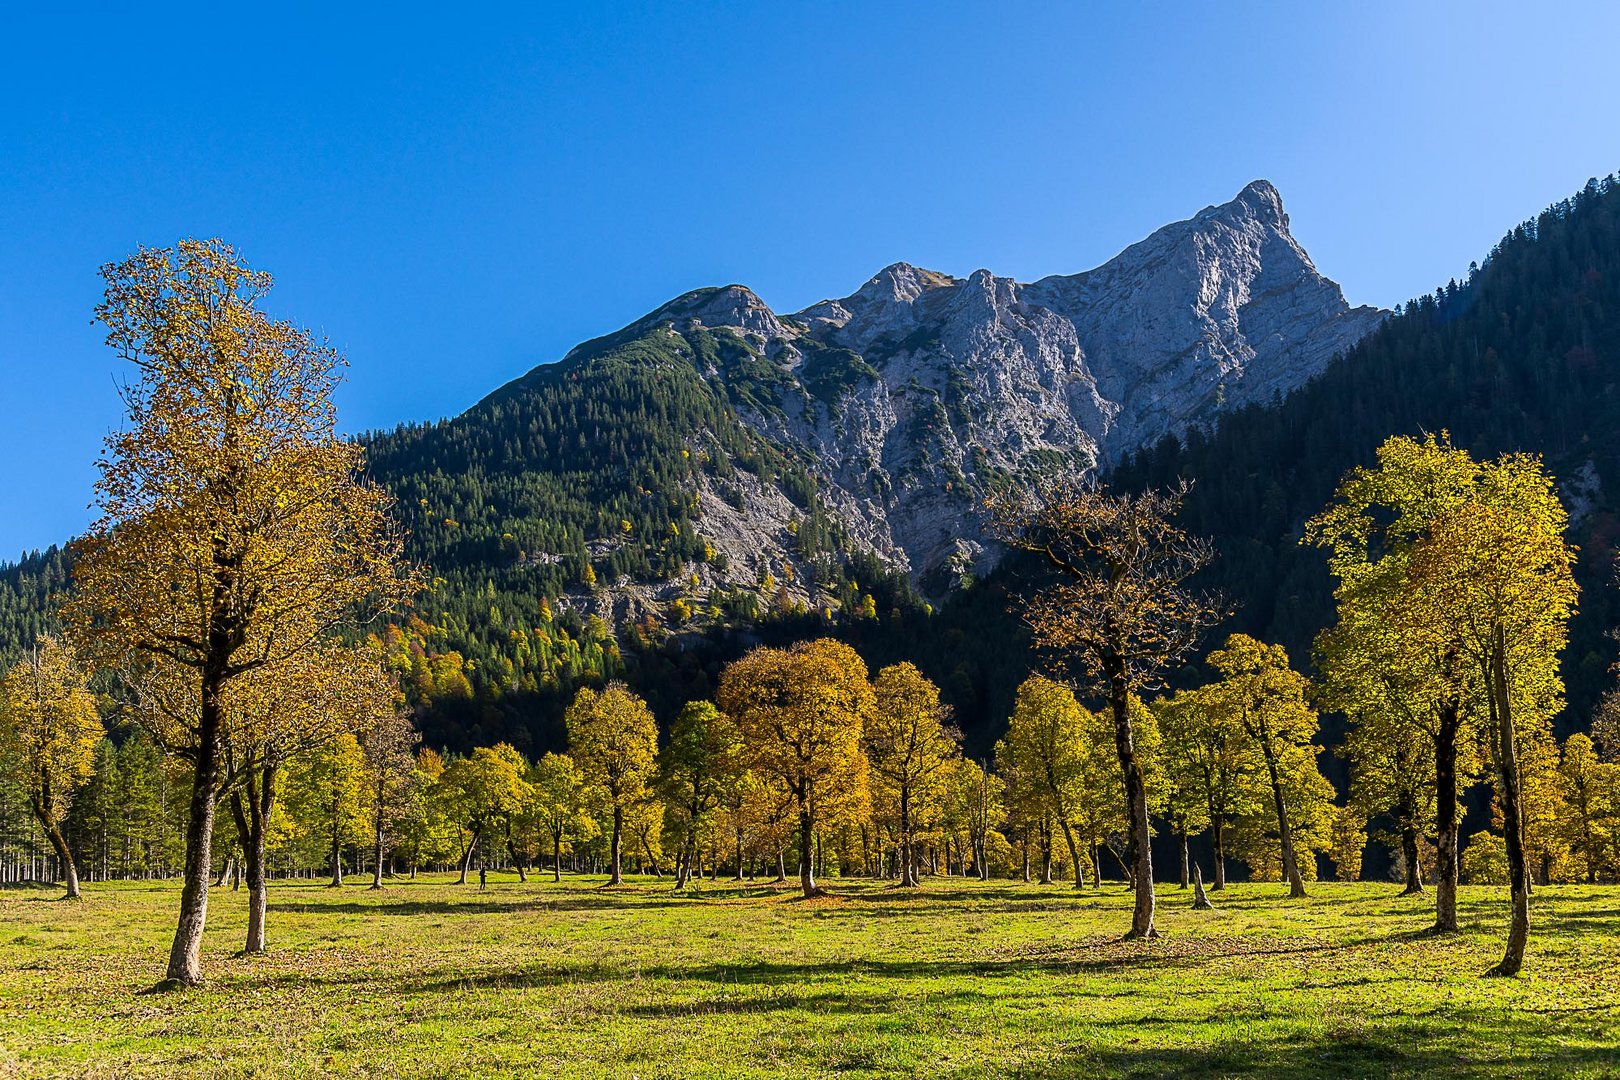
(589, 473)
(1522, 354)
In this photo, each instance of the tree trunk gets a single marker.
(1141, 836)
(1074, 853)
(1512, 811)
(617, 877)
(1220, 855)
(185, 954)
(1184, 860)
(1296, 885)
(1200, 897)
(59, 844)
(556, 856)
(807, 850)
(377, 870)
(781, 866)
(908, 865)
(1412, 854)
(261, 796)
(466, 856)
(1046, 853)
(1445, 775)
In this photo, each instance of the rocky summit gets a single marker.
(919, 388)
(715, 445)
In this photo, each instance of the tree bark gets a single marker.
(466, 856)
(1296, 885)
(1140, 851)
(377, 870)
(185, 953)
(59, 844)
(556, 856)
(1184, 861)
(261, 793)
(617, 876)
(1200, 897)
(1512, 811)
(337, 847)
(1074, 853)
(908, 857)
(1446, 860)
(1412, 854)
(1220, 854)
(807, 850)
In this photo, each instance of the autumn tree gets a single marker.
(1388, 665)
(976, 806)
(802, 712)
(388, 742)
(911, 751)
(235, 529)
(1266, 698)
(697, 770)
(481, 791)
(326, 800)
(614, 739)
(426, 832)
(1499, 569)
(1591, 802)
(49, 730)
(557, 804)
(1210, 767)
(278, 714)
(1044, 755)
(1116, 615)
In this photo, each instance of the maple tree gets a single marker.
(614, 739)
(802, 712)
(235, 529)
(49, 730)
(1117, 613)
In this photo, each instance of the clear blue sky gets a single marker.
(453, 198)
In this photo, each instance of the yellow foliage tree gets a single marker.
(235, 531)
(614, 739)
(911, 751)
(49, 728)
(802, 712)
(1119, 614)
(1266, 698)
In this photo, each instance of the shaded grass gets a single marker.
(957, 979)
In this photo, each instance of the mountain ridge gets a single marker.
(920, 391)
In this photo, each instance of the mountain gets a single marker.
(714, 445)
(1522, 354)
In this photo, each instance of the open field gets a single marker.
(959, 979)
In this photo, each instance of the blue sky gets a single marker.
(453, 198)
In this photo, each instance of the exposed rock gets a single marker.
(920, 389)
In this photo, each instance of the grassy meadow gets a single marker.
(957, 979)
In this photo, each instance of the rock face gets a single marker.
(915, 392)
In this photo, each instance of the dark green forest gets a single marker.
(584, 471)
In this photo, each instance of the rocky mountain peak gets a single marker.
(1265, 201)
(919, 391)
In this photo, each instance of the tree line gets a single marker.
(224, 616)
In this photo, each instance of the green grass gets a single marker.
(957, 979)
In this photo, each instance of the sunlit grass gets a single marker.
(957, 979)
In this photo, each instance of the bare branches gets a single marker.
(1122, 566)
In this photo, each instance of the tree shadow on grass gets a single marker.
(1513, 1048)
(1107, 955)
(484, 906)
